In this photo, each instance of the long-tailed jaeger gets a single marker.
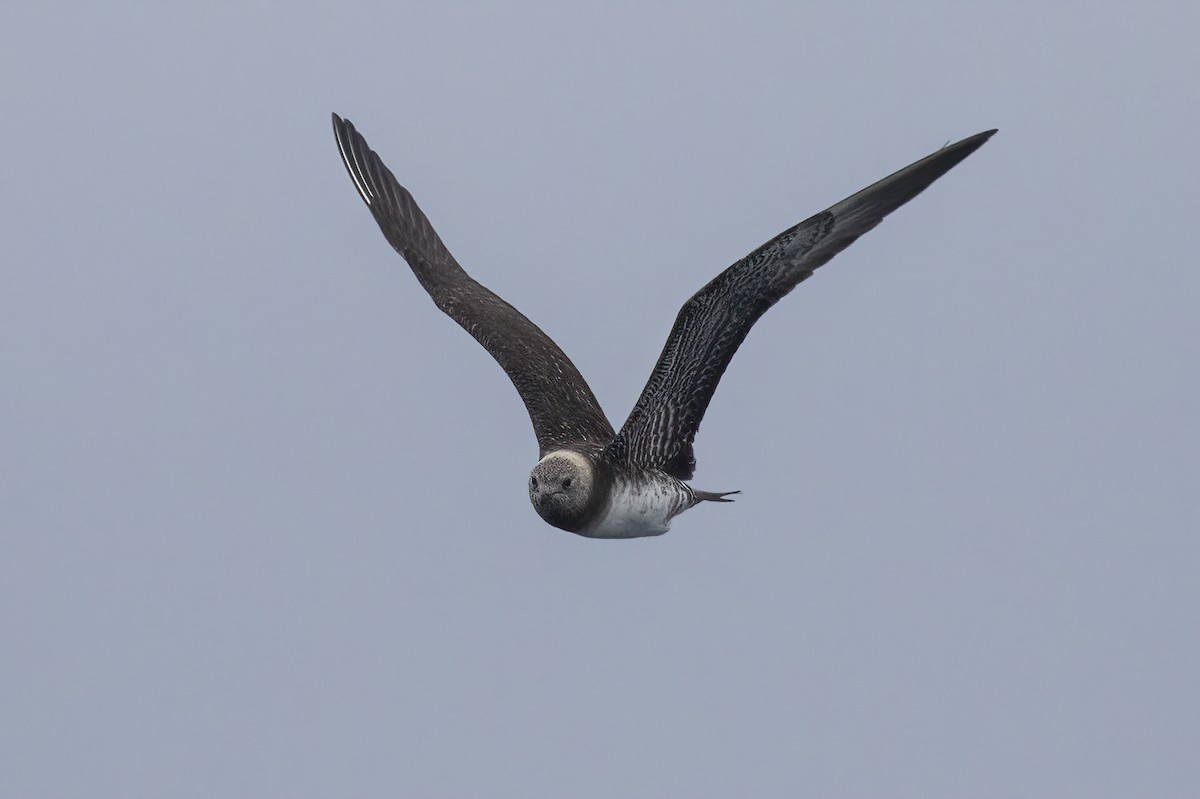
(591, 480)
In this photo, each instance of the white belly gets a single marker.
(641, 509)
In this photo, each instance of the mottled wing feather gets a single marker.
(712, 324)
(561, 406)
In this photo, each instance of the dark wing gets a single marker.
(713, 323)
(561, 406)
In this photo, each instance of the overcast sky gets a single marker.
(262, 507)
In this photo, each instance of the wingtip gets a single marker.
(353, 148)
(952, 153)
(973, 142)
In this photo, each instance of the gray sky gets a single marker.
(262, 507)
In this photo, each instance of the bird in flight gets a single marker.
(592, 480)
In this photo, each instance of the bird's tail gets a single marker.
(709, 496)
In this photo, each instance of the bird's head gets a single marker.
(562, 487)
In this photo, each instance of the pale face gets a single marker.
(560, 488)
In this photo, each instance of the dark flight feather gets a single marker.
(564, 412)
(713, 323)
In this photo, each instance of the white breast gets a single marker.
(641, 508)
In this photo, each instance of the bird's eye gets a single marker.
(533, 481)
(567, 483)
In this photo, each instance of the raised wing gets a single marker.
(561, 406)
(713, 323)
